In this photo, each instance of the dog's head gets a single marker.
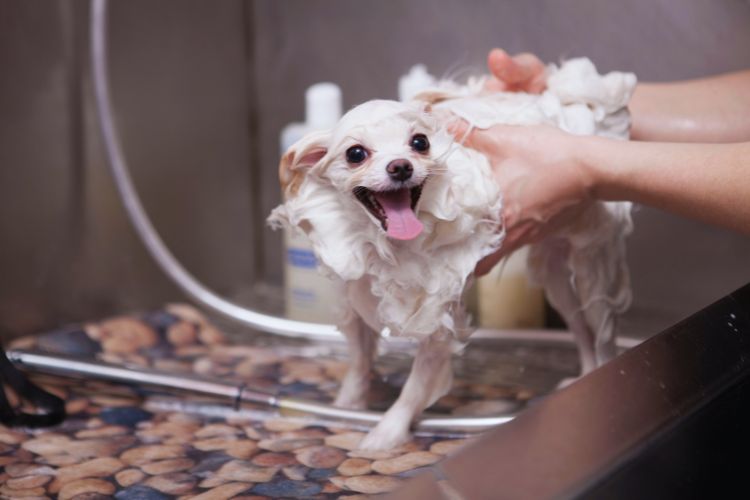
(380, 154)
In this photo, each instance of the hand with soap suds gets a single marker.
(547, 176)
(541, 192)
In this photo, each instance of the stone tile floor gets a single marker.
(130, 443)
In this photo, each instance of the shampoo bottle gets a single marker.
(307, 293)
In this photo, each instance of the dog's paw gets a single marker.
(385, 437)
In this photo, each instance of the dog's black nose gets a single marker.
(399, 170)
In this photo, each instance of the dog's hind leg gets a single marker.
(585, 276)
(363, 344)
(603, 287)
(600, 272)
(430, 378)
(549, 266)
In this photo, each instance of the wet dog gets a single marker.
(399, 213)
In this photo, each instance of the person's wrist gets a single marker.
(584, 151)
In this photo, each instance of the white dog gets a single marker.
(399, 214)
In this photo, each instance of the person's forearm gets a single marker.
(710, 182)
(714, 109)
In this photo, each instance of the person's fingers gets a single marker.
(524, 72)
(530, 63)
(537, 85)
(513, 70)
(474, 139)
(485, 265)
(486, 140)
(516, 235)
(501, 65)
(496, 60)
(459, 129)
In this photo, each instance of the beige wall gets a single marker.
(202, 90)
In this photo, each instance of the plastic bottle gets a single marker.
(307, 293)
(506, 298)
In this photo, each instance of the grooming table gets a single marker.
(134, 443)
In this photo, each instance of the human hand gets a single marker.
(543, 180)
(520, 73)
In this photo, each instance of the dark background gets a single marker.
(202, 89)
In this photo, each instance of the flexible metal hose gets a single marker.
(140, 220)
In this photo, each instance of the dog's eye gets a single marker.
(420, 143)
(356, 154)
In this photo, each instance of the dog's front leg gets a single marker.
(363, 343)
(430, 378)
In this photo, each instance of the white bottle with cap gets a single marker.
(308, 295)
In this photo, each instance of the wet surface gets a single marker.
(129, 442)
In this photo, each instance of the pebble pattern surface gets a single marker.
(130, 443)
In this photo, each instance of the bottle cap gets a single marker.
(322, 105)
(415, 81)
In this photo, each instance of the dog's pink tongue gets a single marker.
(402, 221)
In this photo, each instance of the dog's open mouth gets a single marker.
(394, 209)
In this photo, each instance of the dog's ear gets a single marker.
(299, 158)
(433, 96)
(420, 105)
